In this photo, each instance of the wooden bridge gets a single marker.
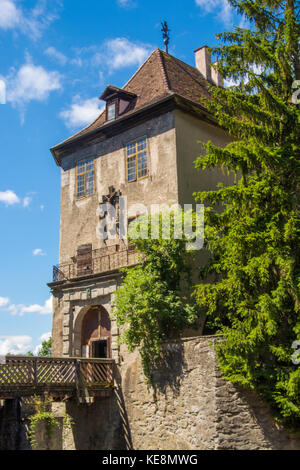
(59, 378)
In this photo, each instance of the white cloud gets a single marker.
(2, 92)
(10, 16)
(45, 309)
(230, 82)
(56, 55)
(257, 69)
(31, 82)
(81, 112)
(222, 7)
(18, 345)
(21, 309)
(43, 338)
(42, 207)
(77, 61)
(9, 197)
(31, 21)
(120, 52)
(126, 3)
(38, 252)
(244, 23)
(111, 55)
(26, 201)
(4, 301)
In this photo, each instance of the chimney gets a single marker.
(203, 62)
(216, 76)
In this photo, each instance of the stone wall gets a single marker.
(193, 407)
(190, 407)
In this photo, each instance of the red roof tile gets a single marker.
(160, 76)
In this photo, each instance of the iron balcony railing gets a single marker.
(101, 261)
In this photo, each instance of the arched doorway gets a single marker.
(96, 333)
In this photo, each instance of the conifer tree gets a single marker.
(253, 298)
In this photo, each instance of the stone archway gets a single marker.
(96, 333)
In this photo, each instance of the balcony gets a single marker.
(95, 262)
(60, 378)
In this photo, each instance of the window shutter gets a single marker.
(84, 260)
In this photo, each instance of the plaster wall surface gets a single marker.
(190, 131)
(79, 218)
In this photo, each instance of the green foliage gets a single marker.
(254, 242)
(150, 304)
(43, 414)
(46, 348)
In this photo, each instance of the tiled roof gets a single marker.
(160, 76)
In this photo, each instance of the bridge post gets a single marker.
(35, 371)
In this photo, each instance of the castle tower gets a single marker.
(141, 147)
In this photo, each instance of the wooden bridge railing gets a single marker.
(21, 376)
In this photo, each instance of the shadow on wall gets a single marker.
(274, 433)
(96, 425)
(125, 427)
(13, 430)
(170, 370)
(103, 424)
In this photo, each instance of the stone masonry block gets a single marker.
(66, 320)
(66, 331)
(66, 347)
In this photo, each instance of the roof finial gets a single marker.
(166, 36)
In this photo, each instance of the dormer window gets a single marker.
(118, 102)
(111, 112)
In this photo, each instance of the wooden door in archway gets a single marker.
(96, 333)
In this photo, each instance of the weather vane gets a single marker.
(166, 36)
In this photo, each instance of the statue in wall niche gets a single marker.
(112, 197)
(109, 227)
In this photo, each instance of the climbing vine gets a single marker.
(43, 414)
(154, 302)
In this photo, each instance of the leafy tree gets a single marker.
(150, 304)
(46, 348)
(254, 242)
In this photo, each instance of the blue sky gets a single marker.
(56, 59)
